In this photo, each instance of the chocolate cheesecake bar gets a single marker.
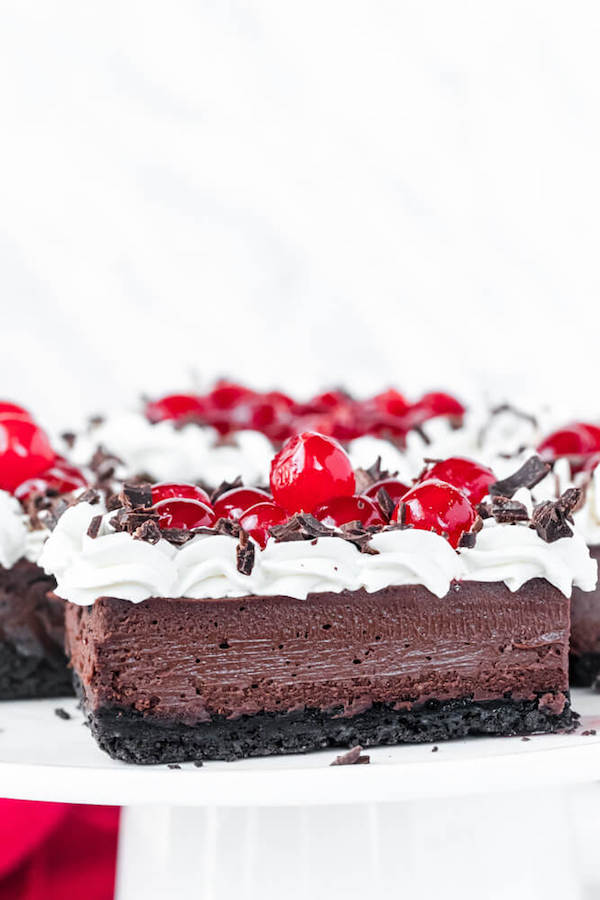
(276, 630)
(32, 481)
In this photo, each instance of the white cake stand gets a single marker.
(481, 818)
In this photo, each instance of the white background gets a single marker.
(298, 193)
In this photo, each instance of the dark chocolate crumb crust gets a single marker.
(130, 736)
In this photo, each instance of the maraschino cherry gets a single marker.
(183, 513)
(436, 506)
(234, 503)
(396, 489)
(578, 439)
(309, 470)
(60, 478)
(341, 510)
(433, 404)
(12, 411)
(167, 489)
(259, 518)
(469, 477)
(25, 452)
(175, 407)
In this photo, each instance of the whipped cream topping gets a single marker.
(17, 538)
(117, 565)
(167, 453)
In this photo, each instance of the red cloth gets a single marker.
(51, 851)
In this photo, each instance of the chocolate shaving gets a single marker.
(484, 510)
(366, 477)
(531, 473)
(88, 496)
(301, 527)
(552, 518)
(113, 503)
(179, 536)
(136, 495)
(386, 504)
(94, 527)
(519, 413)
(245, 553)
(352, 758)
(507, 511)
(103, 464)
(467, 540)
(402, 514)
(360, 536)
(224, 487)
(69, 437)
(148, 531)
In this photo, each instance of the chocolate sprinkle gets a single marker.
(94, 527)
(531, 473)
(135, 495)
(551, 519)
(224, 487)
(352, 758)
(508, 512)
(148, 531)
(386, 504)
(245, 553)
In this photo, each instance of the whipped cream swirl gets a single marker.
(17, 538)
(117, 565)
(167, 453)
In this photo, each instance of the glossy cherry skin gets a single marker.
(340, 510)
(259, 518)
(396, 489)
(436, 404)
(309, 470)
(469, 477)
(234, 503)
(167, 489)
(183, 513)
(175, 407)
(60, 478)
(271, 413)
(12, 411)
(437, 506)
(25, 452)
(578, 439)
(391, 402)
(228, 394)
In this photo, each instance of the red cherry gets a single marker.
(12, 411)
(577, 439)
(259, 518)
(436, 506)
(176, 407)
(184, 513)
(340, 510)
(25, 452)
(396, 489)
(271, 414)
(309, 470)
(61, 478)
(436, 404)
(468, 476)
(167, 489)
(234, 503)
(227, 394)
(390, 402)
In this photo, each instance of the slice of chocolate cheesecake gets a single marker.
(418, 621)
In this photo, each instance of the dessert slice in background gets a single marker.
(33, 479)
(310, 619)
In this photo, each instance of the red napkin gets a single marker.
(51, 851)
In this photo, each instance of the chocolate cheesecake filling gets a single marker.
(32, 658)
(190, 660)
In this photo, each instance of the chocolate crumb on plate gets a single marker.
(589, 732)
(198, 763)
(173, 766)
(62, 713)
(435, 749)
(353, 757)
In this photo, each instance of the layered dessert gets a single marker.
(33, 481)
(340, 607)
